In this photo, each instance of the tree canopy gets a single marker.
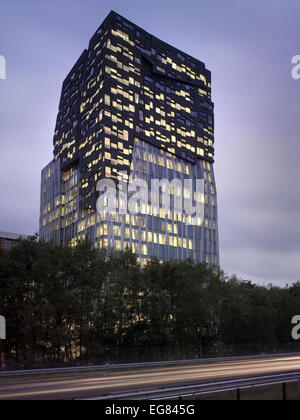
(80, 305)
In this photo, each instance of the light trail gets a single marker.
(98, 384)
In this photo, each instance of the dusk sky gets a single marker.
(247, 45)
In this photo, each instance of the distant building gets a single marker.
(133, 107)
(8, 240)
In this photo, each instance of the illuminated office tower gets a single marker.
(132, 107)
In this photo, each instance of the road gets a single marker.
(102, 383)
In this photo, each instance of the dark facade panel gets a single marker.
(130, 84)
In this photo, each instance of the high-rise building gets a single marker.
(133, 107)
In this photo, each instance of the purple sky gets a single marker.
(247, 45)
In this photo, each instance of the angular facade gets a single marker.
(132, 107)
